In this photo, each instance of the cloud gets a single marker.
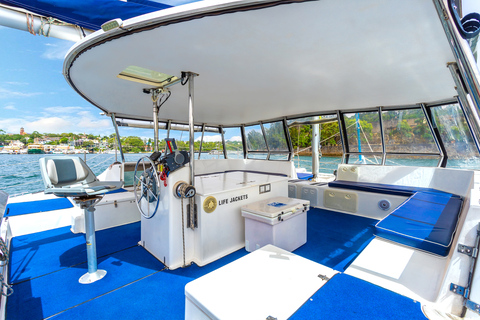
(7, 94)
(60, 109)
(218, 138)
(215, 138)
(11, 125)
(235, 138)
(52, 124)
(56, 51)
(59, 123)
(84, 113)
(16, 83)
(10, 108)
(102, 125)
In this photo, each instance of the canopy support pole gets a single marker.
(315, 153)
(155, 96)
(115, 126)
(191, 126)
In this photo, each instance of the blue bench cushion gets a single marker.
(427, 220)
(422, 223)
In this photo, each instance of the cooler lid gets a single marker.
(273, 207)
(267, 282)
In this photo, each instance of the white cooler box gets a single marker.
(280, 221)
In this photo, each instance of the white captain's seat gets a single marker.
(69, 176)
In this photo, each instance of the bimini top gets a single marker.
(264, 59)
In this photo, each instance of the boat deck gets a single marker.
(45, 267)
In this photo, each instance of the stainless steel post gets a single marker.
(118, 137)
(315, 153)
(90, 237)
(155, 127)
(93, 273)
(191, 126)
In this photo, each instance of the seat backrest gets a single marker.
(59, 171)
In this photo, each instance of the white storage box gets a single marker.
(268, 282)
(280, 221)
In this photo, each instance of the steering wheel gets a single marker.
(146, 187)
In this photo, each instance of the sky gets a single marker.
(34, 94)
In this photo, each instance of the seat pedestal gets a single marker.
(93, 274)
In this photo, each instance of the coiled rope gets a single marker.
(30, 23)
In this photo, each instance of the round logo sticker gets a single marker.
(209, 204)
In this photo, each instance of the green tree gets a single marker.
(422, 131)
(275, 136)
(330, 134)
(3, 137)
(133, 144)
(352, 132)
(301, 136)
(255, 141)
(36, 134)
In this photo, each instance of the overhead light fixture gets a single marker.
(112, 24)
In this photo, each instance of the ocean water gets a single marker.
(21, 173)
